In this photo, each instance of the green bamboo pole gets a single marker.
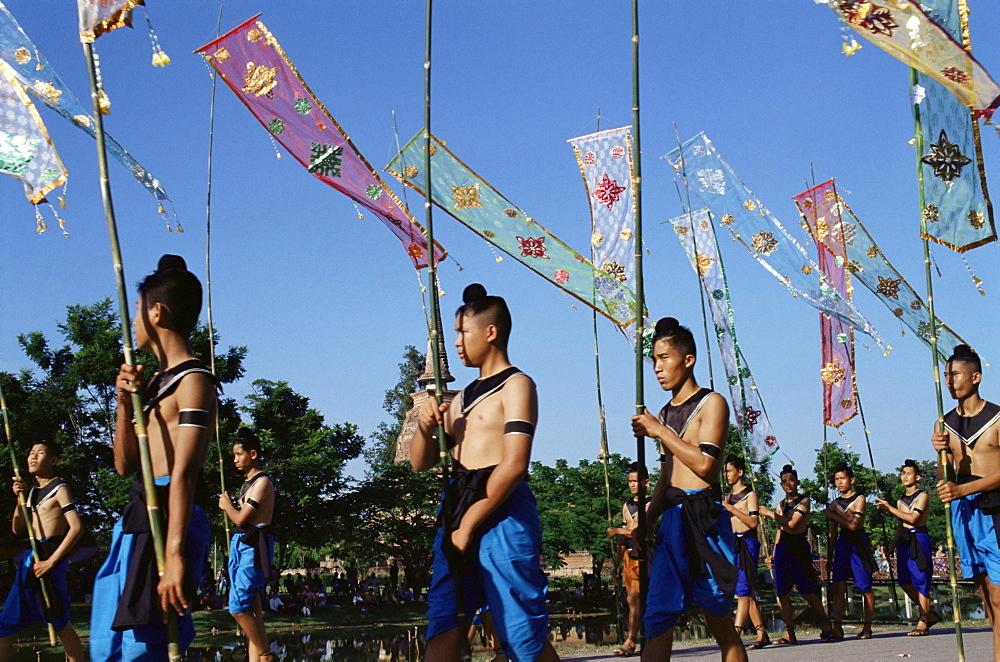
(640, 407)
(208, 281)
(944, 466)
(434, 332)
(152, 499)
(26, 513)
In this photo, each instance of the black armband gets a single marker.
(799, 511)
(69, 507)
(193, 418)
(253, 504)
(918, 510)
(754, 513)
(517, 426)
(663, 457)
(710, 450)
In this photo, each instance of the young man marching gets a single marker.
(912, 543)
(743, 509)
(792, 561)
(693, 552)
(131, 600)
(628, 557)
(57, 529)
(852, 557)
(493, 528)
(972, 441)
(252, 548)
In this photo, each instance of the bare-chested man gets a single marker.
(694, 542)
(913, 547)
(743, 506)
(972, 440)
(494, 528)
(627, 557)
(57, 528)
(131, 601)
(252, 547)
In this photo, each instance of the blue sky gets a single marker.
(327, 302)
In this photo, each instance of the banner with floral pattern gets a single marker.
(466, 196)
(903, 30)
(98, 17)
(256, 69)
(821, 212)
(869, 266)
(736, 208)
(956, 210)
(696, 233)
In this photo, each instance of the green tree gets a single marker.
(305, 458)
(397, 403)
(573, 506)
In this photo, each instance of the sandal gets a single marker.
(760, 643)
(837, 632)
(788, 640)
(933, 618)
(866, 631)
(626, 652)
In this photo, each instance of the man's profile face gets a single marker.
(471, 339)
(961, 379)
(671, 366)
(732, 474)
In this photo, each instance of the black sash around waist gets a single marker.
(797, 545)
(909, 536)
(467, 487)
(256, 537)
(700, 514)
(858, 540)
(747, 559)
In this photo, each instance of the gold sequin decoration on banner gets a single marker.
(22, 55)
(466, 197)
(764, 242)
(253, 35)
(704, 262)
(833, 373)
(47, 90)
(259, 80)
(888, 287)
(221, 55)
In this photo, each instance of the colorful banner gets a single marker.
(736, 208)
(956, 212)
(605, 160)
(458, 190)
(904, 31)
(44, 84)
(98, 17)
(26, 152)
(696, 233)
(871, 268)
(252, 63)
(821, 210)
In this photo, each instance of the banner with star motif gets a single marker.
(605, 160)
(956, 209)
(711, 180)
(903, 30)
(696, 233)
(99, 17)
(869, 266)
(821, 213)
(42, 82)
(26, 152)
(257, 70)
(470, 199)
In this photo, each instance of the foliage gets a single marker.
(573, 506)
(305, 459)
(397, 402)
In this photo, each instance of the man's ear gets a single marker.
(689, 360)
(491, 332)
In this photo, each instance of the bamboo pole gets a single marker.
(208, 281)
(26, 513)
(149, 486)
(640, 407)
(434, 332)
(944, 466)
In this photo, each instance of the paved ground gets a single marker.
(884, 646)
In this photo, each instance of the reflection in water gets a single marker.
(400, 645)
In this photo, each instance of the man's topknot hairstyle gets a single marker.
(248, 440)
(679, 337)
(966, 354)
(177, 289)
(476, 302)
(789, 469)
(913, 465)
(737, 463)
(845, 467)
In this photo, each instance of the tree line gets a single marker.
(390, 512)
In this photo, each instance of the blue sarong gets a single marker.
(24, 604)
(852, 557)
(672, 586)
(908, 561)
(793, 565)
(249, 573)
(976, 537)
(744, 582)
(502, 570)
(146, 642)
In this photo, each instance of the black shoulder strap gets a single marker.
(36, 496)
(166, 382)
(247, 484)
(478, 390)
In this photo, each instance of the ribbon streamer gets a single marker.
(469, 198)
(698, 229)
(256, 69)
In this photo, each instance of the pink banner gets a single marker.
(821, 209)
(252, 63)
